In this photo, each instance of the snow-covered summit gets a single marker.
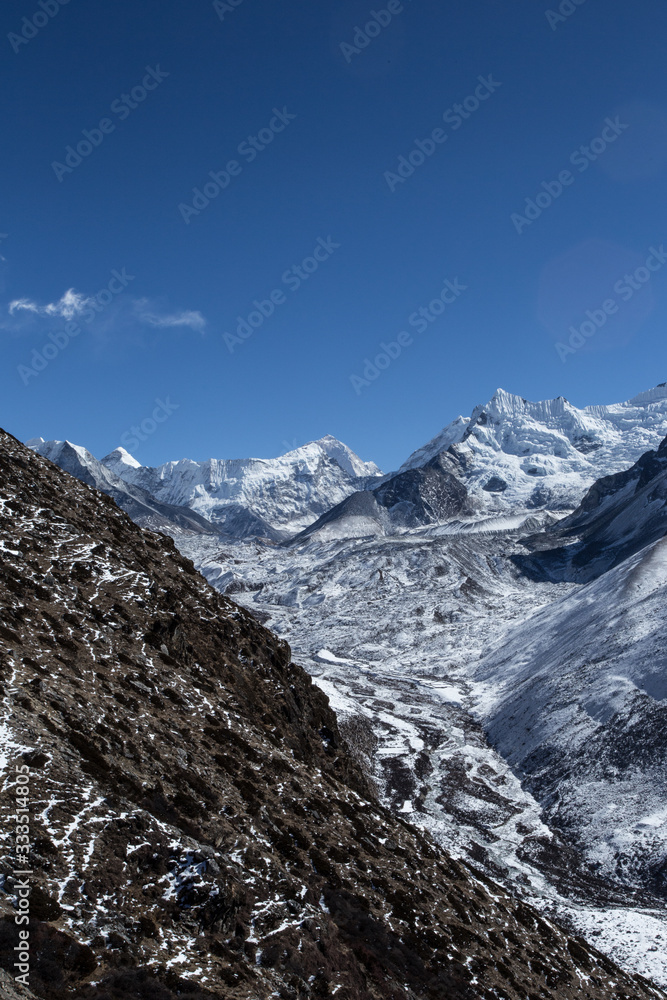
(341, 454)
(514, 453)
(136, 502)
(73, 458)
(287, 492)
(120, 460)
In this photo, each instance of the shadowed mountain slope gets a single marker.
(619, 515)
(410, 499)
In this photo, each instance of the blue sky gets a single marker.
(350, 188)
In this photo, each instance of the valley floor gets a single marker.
(393, 630)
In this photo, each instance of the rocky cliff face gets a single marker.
(410, 499)
(198, 828)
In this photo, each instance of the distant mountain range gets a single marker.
(510, 457)
(259, 498)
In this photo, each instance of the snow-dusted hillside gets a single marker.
(287, 493)
(514, 454)
(392, 629)
(575, 699)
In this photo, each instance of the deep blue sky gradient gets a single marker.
(322, 177)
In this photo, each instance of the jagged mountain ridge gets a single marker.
(517, 455)
(512, 456)
(245, 858)
(413, 498)
(287, 493)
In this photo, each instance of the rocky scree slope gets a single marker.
(392, 629)
(199, 830)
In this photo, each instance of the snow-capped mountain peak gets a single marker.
(120, 460)
(288, 492)
(68, 456)
(514, 453)
(341, 454)
(655, 395)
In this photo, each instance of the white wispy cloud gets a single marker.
(130, 313)
(70, 305)
(191, 318)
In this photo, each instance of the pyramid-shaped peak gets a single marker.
(121, 455)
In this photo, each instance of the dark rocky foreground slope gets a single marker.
(199, 830)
